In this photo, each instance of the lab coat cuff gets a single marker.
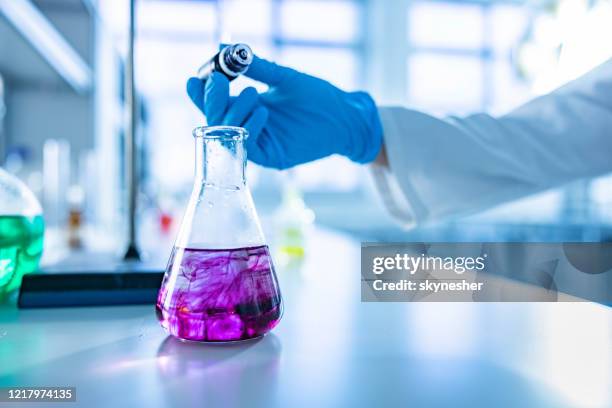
(387, 185)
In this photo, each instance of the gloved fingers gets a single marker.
(256, 152)
(195, 90)
(267, 72)
(264, 71)
(255, 123)
(266, 151)
(216, 98)
(241, 107)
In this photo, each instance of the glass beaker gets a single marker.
(21, 232)
(220, 283)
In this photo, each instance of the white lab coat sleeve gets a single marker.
(454, 166)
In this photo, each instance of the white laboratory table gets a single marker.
(330, 350)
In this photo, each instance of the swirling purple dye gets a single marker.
(219, 294)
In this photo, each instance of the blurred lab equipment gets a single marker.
(292, 220)
(231, 61)
(2, 116)
(130, 144)
(220, 284)
(305, 118)
(90, 288)
(75, 217)
(113, 282)
(56, 181)
(165, 221)
(21, 232)
(17, 161)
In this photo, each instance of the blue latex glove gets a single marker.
(299, 119)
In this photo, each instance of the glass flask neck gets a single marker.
(220, 156)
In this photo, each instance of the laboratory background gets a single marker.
(63, 106)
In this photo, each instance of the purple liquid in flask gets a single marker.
(220, 294)
(220, 284)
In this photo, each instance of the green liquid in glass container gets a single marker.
(21, 245)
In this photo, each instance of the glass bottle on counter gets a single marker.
(21, 232)
(220, 284)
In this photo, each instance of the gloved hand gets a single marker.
(299, 119)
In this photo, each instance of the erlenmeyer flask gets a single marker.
(220, 283)
(21, 232)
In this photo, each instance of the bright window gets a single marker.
(478, 40)
(320, 20)
(446, 25)
(246, 18)
(433, 87)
